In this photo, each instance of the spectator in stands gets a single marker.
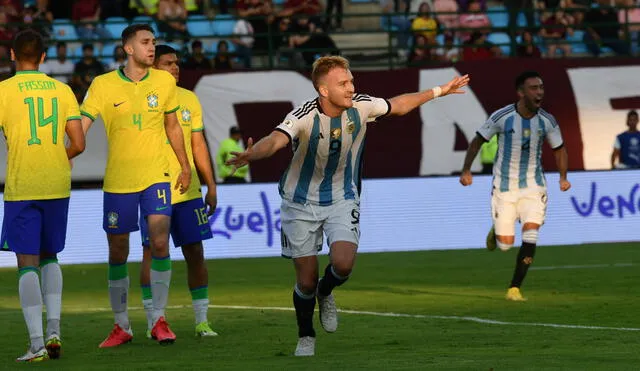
(197, 60)
(39, 21)
(488, 154)
(311, 40)
(464, 5)
(222, 60)
(231, 144)
(6, 66)
(626, 149)
(143, 7)
(119, 58)
(252, 10)
(308, 8)
(243, 44)
(475, 19)
(514, 7)
(478, 48)
(603, 29)
(192, 6)
(579, 8)
(86, 15)
(6, 32)
(172, 18)
(12, 8)
(399, 23)
(527, 47)
(424, 24)
(450, 20)
(338, 23)
(85, 70)
(556, 28)
(60, 67)
(421, 51)
(631, 16)
(449, 51)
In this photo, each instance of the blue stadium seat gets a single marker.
(52, 52)
(578, 46)
(199, 27)
(501, 40)
(64, 30)
(108, 50)
(384, 24)
(223, 24)
(498, 16)
(115, 25)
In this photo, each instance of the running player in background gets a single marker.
(138, 105)
(519, 186)
(321, 189)
(189, 216)
(35, 113)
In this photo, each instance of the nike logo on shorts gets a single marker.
(160, 208)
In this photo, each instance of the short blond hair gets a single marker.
(323, 65)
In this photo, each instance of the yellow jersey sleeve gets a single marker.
(92, 101)
(189, 117)
(34, 112)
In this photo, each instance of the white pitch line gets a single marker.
(394, 315)
(586, 266)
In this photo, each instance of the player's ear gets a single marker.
(128, 49)
(44, 55)
(13, 55)
(323, 91)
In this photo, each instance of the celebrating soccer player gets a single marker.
(519, 186)
(35, 113)
(138, 105)
(321, 189)
(189, 217)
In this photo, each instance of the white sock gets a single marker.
(160, 282)
(200, 309)
(118, 296)
(31, 303)
(51, 281)
(148, 309)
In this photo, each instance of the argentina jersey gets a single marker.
(518, 161)
(327, 151)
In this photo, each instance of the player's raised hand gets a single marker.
(466, 179)
(455, 85)
(564, 185)
(184, 180)
(240, 159)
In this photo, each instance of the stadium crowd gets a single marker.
(223, 35)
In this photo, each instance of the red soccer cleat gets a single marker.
(117, 337)
(162, 332)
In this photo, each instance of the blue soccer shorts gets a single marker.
(121, 209)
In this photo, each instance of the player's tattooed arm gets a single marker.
(264, 148)
(466, 178)
(405, 103)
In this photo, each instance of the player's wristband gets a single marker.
(437, 91)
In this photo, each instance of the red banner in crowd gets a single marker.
(589, 99)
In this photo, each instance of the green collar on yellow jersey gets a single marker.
(27, 72)
(125, 78)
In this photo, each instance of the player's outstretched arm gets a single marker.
(466, 178)
(265, 147)
(77, 143)
(405, 103)
(562, 163)
(176, 139)
(205, 169)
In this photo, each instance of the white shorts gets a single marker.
(527, 205)
(303, 226)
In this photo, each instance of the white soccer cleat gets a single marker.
(328, 313)
(30, 356)
(306, 347)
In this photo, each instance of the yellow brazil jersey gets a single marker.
(133, 115)
(190, 118)
(34, 110)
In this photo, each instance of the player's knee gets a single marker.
(307, 286)
(342, 269)
(530, 236)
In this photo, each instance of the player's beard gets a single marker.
(142, 62)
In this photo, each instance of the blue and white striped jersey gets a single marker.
(327, 152)
(518, 162)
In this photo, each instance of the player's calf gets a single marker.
(525, 256)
